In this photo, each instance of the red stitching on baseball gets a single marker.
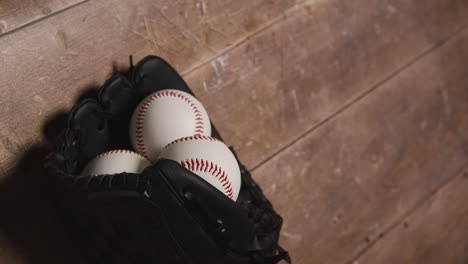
(199, 129)
(210, 167)
(120, 151)
(194, 137)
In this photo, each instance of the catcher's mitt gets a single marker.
(164, 215)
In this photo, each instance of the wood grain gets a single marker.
(340, 187)
(351, 112)
(56, 59)
(15, 14)
(277, 86)
(435, 233)
(46, 65)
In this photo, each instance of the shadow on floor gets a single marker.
(30, 227)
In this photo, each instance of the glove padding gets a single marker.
(167, 214)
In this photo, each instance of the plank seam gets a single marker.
(409, 213)
(363, 95)
(280, 18)
(42, 18)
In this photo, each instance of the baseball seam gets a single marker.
(126, 151)
(194, 137)
(212, 168)
(199, 124)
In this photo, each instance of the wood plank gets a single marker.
(245, 106)
(275, 87)
(47, 65)
(15, 14)
(437, 232)
(74, 57)
(345, 183)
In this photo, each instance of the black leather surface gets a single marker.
(118, 98)
(209, 205)
(92, 122)
(196, 222)
(146, 81)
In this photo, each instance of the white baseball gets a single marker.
(210, 159)
(165, 116)
(116, 161)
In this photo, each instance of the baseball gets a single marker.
(210, 159)
(116, 161)
(165, 116)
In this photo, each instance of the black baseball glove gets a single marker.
(166, 214)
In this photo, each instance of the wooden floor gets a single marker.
(352, 115)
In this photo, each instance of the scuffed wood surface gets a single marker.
(47, 65)
(17, 13)
(351, 114)
(279, 85)
(437, 232)
(343, 185)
